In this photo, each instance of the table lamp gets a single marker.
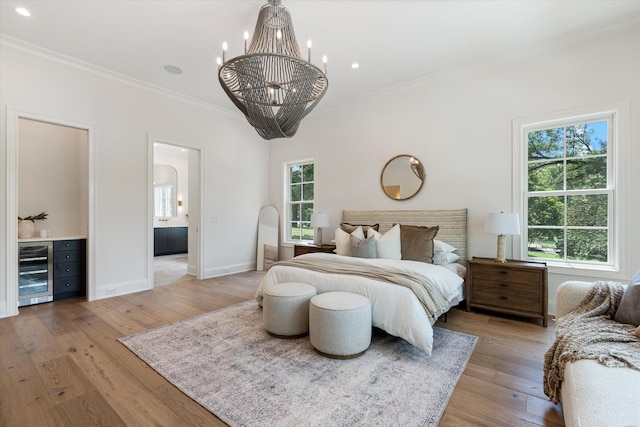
(319, 220)
(502, 224)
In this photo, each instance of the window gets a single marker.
(163, 196)
(570, 193)
(299, 200)
(571, 174)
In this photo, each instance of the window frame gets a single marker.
(618, 147)
(286, 205)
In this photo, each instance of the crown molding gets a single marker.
(31, 49)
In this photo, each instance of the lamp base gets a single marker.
(317, 238)
(500, 257)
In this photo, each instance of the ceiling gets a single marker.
(395, 42)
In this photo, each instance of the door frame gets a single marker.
(199, 223)
(11, 210)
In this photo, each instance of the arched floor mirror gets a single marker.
(267, 252)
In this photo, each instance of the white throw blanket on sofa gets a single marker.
(590, 333)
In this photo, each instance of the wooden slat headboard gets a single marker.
(453, 223)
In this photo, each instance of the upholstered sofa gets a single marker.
(592, 394)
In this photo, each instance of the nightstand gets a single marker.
(514, 287)
(306, 249)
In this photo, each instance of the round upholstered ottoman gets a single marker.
(340, 324)
(285, 309)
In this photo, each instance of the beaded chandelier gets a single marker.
(271, 84)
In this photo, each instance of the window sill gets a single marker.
(587, 271)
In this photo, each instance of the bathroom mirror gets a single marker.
(165, 189)
(402, 177)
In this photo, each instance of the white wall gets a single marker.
(52, 176)
(234, 159)
(459, 125)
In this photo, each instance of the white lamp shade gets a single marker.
(319, 220)
(502, 223)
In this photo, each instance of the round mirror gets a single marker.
(402, 177)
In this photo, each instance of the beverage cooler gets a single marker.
(35, 282)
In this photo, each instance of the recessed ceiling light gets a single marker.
(355, 65)
(22, 11)
(172, 69)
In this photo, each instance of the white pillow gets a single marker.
(387, 244)
(342, 240)
(444, 258)
(440, 246)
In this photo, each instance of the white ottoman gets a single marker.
(285, 309)
(340, 324)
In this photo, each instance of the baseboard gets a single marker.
(117, 289)
(229, 269)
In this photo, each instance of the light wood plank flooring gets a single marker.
(60, 363)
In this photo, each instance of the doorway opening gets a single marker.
(175, 196)
(50, 169)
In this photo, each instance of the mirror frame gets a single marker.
(174, 185)
(420, 168)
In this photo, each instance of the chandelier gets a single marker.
(271, 84)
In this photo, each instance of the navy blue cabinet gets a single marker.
(69, 268)
(170, 240)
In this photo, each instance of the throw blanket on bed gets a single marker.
(430, 298)
(589, 332)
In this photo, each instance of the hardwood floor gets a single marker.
(62, 366)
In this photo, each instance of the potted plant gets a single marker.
(27, 225)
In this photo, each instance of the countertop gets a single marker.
(51, 238)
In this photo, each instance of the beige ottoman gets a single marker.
(285, 309)
(340, 324)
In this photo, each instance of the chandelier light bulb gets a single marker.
(279, 35)
(219, 62)
(324, 63)
(246, 38)
(309, 50)
(224, 52)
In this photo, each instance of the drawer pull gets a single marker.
(68, 284)
(504, 298)
(68, 256)
(67, 270)
(504, 285)
(504, 272)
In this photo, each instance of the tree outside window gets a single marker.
(569, 196)
(301, 189)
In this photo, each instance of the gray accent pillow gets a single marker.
(363, 248)
(416, 243)
(629, 307)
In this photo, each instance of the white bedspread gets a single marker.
(395, 309)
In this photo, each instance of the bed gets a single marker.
(397, 306)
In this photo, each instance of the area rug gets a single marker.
(229, 364)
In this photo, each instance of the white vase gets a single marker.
(26, 229)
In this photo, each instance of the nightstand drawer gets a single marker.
(503, 287)
(505, 275)
(507, 300)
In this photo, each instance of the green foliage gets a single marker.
(565, 159)
(302, 195)
(33, 218)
